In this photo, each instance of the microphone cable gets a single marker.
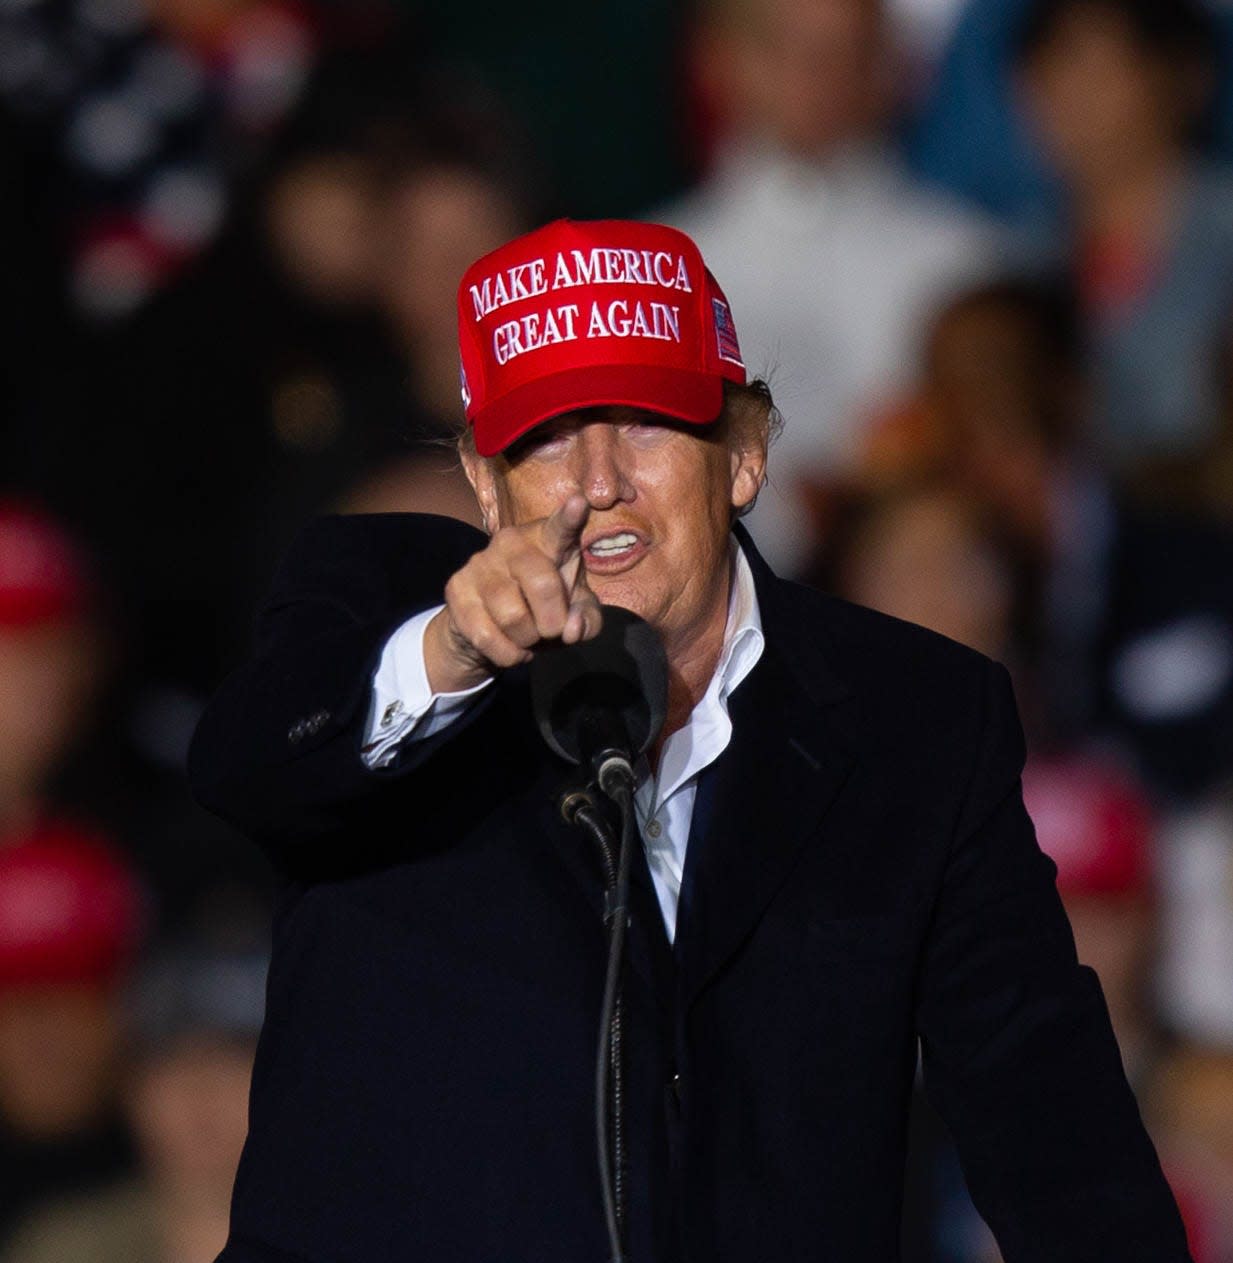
(616, 780)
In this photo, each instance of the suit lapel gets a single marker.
(794, 743)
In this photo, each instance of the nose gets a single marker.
(603, 466)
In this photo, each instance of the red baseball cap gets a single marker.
(43, 576)
(70, 907)
(580, 314)
(1094, 822)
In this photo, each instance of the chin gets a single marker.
(628, 596)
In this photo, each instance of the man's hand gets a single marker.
(529, 585)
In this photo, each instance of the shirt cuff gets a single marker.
(404, 707)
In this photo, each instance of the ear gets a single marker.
(747, 464)
(483, 482)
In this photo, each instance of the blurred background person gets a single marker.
(925, 554)
(65, 757)
(451, 191)
(71, 917)
(1196, 950)
(1188, 1099)
(350, 383)
(153, 110)
(449, 194)
(1116, 90)
(832, 255)
(1189, 1108)
(1126, 630)
(1096, 824)
(969, 133)
(53, 659)
(193, 1017)
(328, 371)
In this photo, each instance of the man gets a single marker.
(837, 858)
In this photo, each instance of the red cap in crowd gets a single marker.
(1093, 822)
(70, 908)
(42, 575)
(582, 314)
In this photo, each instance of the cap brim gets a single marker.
(679, 393)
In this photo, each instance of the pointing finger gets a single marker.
(561, 534)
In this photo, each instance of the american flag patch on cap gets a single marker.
(725, 333)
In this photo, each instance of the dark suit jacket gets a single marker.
(866, 875)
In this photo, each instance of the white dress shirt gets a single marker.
(404, 708)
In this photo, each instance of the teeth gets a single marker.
(614, 544)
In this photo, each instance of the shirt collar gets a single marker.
(708, 729)
(743, 638)
(707, 732)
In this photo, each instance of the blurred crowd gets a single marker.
(981, 249)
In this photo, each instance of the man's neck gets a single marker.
(692, 663)
(687, 683)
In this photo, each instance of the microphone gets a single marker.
(601, 702)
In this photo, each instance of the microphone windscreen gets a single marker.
(614, 684)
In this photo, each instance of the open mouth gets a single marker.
(614, 550)
(614, 545)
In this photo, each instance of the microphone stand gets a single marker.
(616, 780)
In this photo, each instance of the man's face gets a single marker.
(661, 497)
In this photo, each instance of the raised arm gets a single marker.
(277, 751)
(288, 748)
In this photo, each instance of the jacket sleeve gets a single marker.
(277, 752)
(1018, 1052)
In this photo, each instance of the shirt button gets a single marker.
(653, 828)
